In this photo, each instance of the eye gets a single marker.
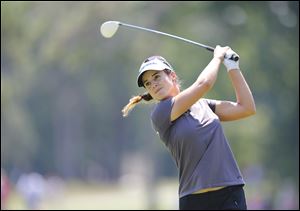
(156, 77)
(147, 84)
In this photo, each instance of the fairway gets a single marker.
(79, 195)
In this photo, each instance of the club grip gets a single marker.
(233, 57)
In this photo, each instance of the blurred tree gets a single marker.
(63, 85)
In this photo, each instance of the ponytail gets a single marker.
(134, 101)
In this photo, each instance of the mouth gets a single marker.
(157, 90)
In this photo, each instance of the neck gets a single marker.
(175, 91)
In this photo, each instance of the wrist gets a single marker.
(216, 58)
(233, 69)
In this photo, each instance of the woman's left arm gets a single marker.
(244, 105)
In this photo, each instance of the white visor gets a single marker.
(154, 64)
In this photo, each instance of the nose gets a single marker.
(154, 85)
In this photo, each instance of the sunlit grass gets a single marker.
(162, 195)
(79, 195)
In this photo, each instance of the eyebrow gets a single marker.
(151, 76)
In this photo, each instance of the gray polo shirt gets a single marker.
(198, 145)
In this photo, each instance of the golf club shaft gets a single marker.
(233, 57)
(169, 35)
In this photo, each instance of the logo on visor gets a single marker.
(147, 64)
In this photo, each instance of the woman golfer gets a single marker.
(189, 125)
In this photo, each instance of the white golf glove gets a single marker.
(230, 64)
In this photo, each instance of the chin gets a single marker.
(163, 97)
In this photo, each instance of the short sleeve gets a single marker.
(161, 117)
(211, 104)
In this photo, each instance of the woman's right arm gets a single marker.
(205, 81)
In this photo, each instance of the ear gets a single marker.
(173, 76)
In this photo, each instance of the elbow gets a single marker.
(205, 85)
(247, 110)
(251, 110)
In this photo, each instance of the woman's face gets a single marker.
(159, 84)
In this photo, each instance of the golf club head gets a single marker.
(109, 28)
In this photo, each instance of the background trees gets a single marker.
(63, 85)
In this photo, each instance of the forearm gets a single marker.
(242, 91)
(209, 75)
(186, 98)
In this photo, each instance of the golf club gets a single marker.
(109, 28)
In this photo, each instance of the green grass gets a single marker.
(79, 195)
